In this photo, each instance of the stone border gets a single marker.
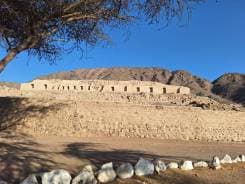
(144, 167)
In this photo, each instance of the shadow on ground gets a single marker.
(14, 110)
(98, 156)
(23, 156)
(20, 157)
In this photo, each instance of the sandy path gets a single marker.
(21, 154)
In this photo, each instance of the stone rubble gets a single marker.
(226, 160)
(160, 166)
(126, 170)
(86, 176)
(216, 163)
(32, 179)
(144, 167)
(242, 158)
(107, 173)
(56, 177)
(201, 164)
(236, 160)
(187, 165)
(173, 165)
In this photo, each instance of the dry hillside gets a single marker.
(222, 89)
(10, 85)
(231, 86)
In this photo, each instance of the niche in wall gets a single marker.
(138, 89)
(125, 88)
(151, 89)
(178, 90)
(164, 90)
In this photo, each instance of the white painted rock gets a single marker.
(86, 176)
(144, 167)
(226, 160)
(125, 171)
(187, 165)
(160, 166)
(201, 164)
(237, 159)
(173, 165)
(32, 179)
(56, 177)
(216, 163)
(106, 173)
(242, 157)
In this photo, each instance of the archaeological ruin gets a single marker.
(104, 86)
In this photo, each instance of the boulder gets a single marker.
(173, 165)
(242, 157)
(160, 166)
(144, 167)
(59, 176)
(106, 173)
(186, 165)
(226, 160)
(125, 171)
(32, 179)
(216, 163)
(201, 164)
(86, 176)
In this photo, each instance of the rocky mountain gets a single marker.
(227, 87)
(197, 85)
(230, 86)
(10, 85)
(180, 77)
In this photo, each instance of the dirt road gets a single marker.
(22, 155)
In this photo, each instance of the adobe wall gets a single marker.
(104, 86)
(84, 119)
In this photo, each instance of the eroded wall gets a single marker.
(104, 86)
(80, 118)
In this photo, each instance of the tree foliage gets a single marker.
(44, 27)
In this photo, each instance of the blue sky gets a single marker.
(212, 43)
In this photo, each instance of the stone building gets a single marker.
(132, 86)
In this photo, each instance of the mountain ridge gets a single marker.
(229, 87)
(198, 85)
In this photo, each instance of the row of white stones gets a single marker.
(126, 170)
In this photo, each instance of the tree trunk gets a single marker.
(7, 59)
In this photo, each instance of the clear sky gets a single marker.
(211, 44)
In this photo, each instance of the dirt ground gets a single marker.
(94, 129)
(22, 155)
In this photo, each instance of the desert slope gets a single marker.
(231, 86)
(227, 87)
(179, 77)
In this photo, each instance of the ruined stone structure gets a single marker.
(104, 86)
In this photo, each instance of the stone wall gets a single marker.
(104, 86)
(83, 118)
